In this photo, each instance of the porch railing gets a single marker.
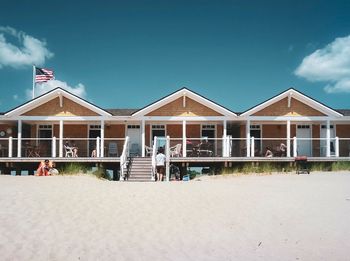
(154, 154)
(50, 147)
(124, 159)
(191, 147)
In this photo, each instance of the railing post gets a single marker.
(328, 136)
(10, 146)
(252, 150)
(167, 162)
(53, 147)
(224, 146)
(184, 140)
(288, 138)
(19, 139)
(98, 147)
(337, 146)
(295, 146)
(247, 136)
(154, 152)
(229, 146)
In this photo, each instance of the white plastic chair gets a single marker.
(175, 151)
(69, 151)
(148, 150)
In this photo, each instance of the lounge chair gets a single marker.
(204, 150)
(149, 151)
(68, 151)
(175, 151)
(112, 149)
(134, 149)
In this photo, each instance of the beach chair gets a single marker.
(148, 151)
(134, 149)
(68, 151)
(204, 150)
(112, 149)
(175, 151)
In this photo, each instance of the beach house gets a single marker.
(192, 128)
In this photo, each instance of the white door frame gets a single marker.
(310, 128)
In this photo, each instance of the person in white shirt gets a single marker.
(160, 164)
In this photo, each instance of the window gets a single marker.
(133, 126)
(95, 127)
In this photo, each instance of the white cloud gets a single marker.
(44, 87)
(28, 50)
(330, 64)
(15, 97)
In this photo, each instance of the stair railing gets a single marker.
(154, 154)
(124, 158)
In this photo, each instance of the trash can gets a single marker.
(301, 165)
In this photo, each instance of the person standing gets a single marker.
(160, 164)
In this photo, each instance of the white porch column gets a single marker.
(10, 146)
(288, 138)
(328, 133)
(167, 161)
(60, 153)
(224, 140)
(295, 150)
(337, 146)
(252, 145)
(143, 138)
(53, 153)
(184, 147)
(98, 147)
(102, 138)
(19, 140)
(247, 136)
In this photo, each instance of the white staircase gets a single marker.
(140, 169)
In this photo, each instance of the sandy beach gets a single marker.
(274, 217)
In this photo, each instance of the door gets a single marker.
(45, 142)
(255, 131)
(304, 143)
(159, 131)
(134, 134)
(323, 141)
(209, 134)
(94, 132)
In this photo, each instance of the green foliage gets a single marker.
(77, 168)
(72, 169)
(192, 173)
(281, 167)
(341, 165)
(101, 174)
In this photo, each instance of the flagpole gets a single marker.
(33, 80)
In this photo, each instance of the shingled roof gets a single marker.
(121, 112)
(345, 112)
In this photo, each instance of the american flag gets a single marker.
(43, 75)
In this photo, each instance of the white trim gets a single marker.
(291, 118)
(189, 94)
(298, 96)
(51, 95)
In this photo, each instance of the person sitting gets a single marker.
(283, 149)
(72, 147)
(44, 168)
(268, 152)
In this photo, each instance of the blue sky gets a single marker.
(128, 54)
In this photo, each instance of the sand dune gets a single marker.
(277, 217)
